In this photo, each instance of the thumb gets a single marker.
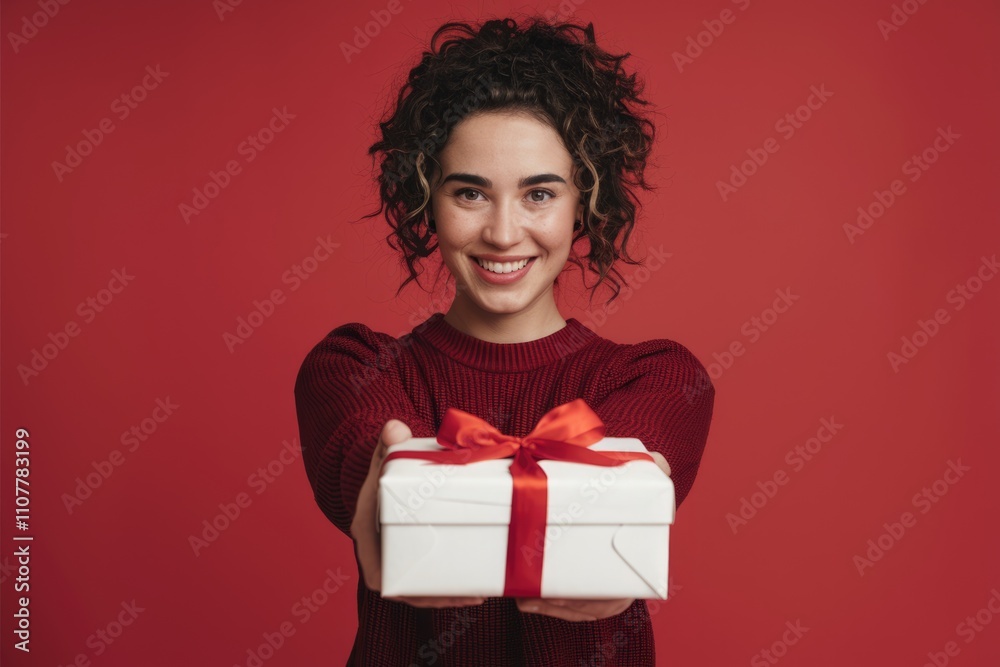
(395, 432)
(661, 461)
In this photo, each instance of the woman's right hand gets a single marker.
(367, 542)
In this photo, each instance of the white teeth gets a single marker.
(506, 267)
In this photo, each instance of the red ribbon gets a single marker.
(564, 433)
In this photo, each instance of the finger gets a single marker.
(437, 602)
(600, 608)
(546, 608)
(661, 461)
(365, 524)
(581, 604)
(372, 574)
(395, 431)
(377, 455)
(364, 528)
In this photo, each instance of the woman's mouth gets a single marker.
(502, 273)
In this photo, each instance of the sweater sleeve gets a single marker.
(347, 388)
(658, 391)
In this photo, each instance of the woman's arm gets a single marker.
(658, 391)
(347, 393)
(346, 390)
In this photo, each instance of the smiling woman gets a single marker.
(507, 148)
(507, 238)
(555, 74)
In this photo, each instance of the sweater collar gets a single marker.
(512, 357)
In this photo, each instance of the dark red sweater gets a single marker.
(356, 379)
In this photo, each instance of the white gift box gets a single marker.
(444, 527)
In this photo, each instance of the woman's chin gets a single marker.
(499, 304)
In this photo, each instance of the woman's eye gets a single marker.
(535, 196)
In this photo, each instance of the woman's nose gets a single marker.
(504, 227)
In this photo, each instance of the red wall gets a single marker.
(889, 96)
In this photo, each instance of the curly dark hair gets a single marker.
(558, 74)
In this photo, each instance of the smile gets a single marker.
(502, 273)
(502, 267)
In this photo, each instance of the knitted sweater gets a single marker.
(356, 379)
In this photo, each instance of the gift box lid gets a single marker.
(424, 492)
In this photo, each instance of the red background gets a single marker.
(826, 357)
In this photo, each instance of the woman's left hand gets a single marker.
(584, 610)
(574, 610)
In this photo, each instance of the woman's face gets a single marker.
(505, 192)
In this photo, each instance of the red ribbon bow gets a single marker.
(564, 433)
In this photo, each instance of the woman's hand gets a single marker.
(662, 462)
(584, 610)
(574, 610)
(367, 542)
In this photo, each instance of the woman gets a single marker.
(507, 146)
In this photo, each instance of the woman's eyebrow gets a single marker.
(487, 183)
